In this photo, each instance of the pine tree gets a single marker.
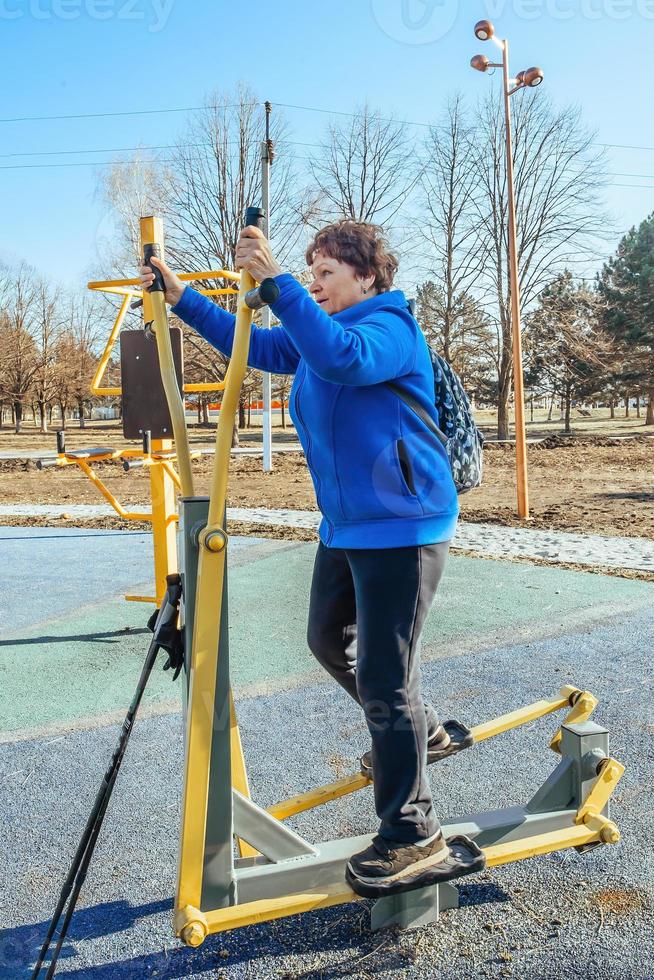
(567, 351)
(626, 284)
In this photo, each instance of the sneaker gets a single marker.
(436, 749)
(389, 867)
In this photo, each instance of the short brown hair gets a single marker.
(359, 244)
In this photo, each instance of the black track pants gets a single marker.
(367, 610)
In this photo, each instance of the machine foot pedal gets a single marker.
(460, 738)
(465, 858)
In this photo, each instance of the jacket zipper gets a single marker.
(299, 412)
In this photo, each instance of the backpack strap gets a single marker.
(417, 408)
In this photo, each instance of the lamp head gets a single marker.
(532, 77)
(480, 62)
(484, 30)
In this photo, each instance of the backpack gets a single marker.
(456, 429)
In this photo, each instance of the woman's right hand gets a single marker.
(174, 287)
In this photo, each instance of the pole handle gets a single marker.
(267, 291)
(255, 216)
(149, 250)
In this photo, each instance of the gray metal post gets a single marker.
(266, 160)
(413, 909)
(585, 744)
(193, 513)
(218, 885)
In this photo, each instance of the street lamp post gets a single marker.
(484, 31)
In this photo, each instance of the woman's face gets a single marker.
(337, 285)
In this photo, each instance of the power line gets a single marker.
(106, 115)
(126, 163)
(643, 187)
(281, 105)
(172, 146)
(136, 149)
(624, 146)
(426, 125)
(86, 163)
(114, 149)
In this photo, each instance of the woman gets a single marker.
(389, 509)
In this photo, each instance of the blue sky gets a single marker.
(67, 57)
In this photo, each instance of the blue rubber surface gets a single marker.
(48, 572)
(46, 567)
(553, 916)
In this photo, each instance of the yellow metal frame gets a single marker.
(481, 732)
(163, 516)
(208, 613)
(154, 311)
(193, 926)
(127, 288)
(164, 480)
(582, 705)
(588, 827)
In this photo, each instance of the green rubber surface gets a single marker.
(80, 670)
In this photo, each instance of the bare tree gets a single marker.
(210, 175)
(131, 189)
(558, 181)
(365, 169)
(447, 221)
(64, 381)
(19, 360)
(46, 329)
(76, 358)
(214, 173)
(282, 388)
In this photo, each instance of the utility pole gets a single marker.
(267, 153)
(484, 31)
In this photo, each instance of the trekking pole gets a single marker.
(164, 628)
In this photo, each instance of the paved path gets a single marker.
(492, 540)
(500, 635)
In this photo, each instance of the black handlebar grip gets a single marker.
(264, 294)
(267, 291)
(154, 249)
(255, 216)
(61, 442)
(147, 442)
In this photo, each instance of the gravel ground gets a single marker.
(554, 917)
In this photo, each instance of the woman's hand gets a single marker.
(253, 253)
(174, 287)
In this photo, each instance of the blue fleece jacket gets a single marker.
(382, 479)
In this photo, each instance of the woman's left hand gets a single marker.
(253, 253)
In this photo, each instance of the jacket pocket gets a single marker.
(405, 466)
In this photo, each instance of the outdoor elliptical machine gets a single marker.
(277, 872)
